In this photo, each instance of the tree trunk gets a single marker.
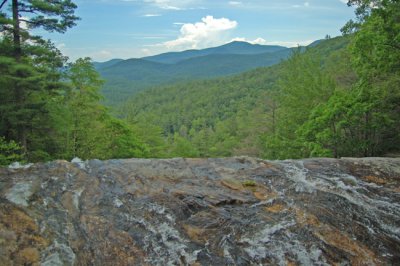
(366, 135)
(16, 30)
(18, 90)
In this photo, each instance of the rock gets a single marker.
(232, 211)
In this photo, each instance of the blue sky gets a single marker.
(136, 28)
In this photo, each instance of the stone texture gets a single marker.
(233, 211)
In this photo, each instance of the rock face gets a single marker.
(234, 211)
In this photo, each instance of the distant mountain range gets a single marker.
(125, 77)
(233, 48)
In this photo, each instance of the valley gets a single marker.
(127, 77)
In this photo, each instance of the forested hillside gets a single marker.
(220, 117)
(124, 78)
(339, 98)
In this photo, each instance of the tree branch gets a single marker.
(27, 21)
(31, 10)
(3, 3)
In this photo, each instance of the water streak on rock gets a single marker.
(232, 211)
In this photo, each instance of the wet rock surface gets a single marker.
(233, 211)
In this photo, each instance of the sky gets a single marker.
(137, 28)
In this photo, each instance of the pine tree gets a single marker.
(30, 66)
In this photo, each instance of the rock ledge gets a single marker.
(232, 211)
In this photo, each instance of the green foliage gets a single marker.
(52, 110)
(50, 15)
(203, 118)
(249, 183)
(123, 141)
(31, 70)
(302, 86)
(10, 152)
(85, 129)
(363, 120)
(351, 123)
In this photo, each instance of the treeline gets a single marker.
(50, 109)
(340, 98)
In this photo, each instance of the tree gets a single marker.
(375, 49)
(363, 120)
(85, 113)
(26, 86)
(23, 63)
(303, 85)
(84, 128)
(9, 152)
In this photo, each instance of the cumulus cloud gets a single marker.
(256, 41)
(210, 31)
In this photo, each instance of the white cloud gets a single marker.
(262, 41)
(210, 31)
(290, 43)
(235, 3)
(146, 52)
(60, 46)
(171, 4)
(102, 55)
(256, 41)
(343, 1)
(305, 4)
(151, 15)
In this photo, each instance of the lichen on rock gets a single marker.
(231, 211)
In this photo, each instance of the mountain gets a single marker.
(238, 48)
(125, 77)
(100, 65)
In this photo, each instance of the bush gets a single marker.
(10, 152)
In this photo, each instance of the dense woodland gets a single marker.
(339, 98)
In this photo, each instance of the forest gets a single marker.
(338, 98)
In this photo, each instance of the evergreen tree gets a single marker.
(303, 85)
(29, 65)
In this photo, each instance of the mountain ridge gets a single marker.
(126, 77)
(235, 47)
